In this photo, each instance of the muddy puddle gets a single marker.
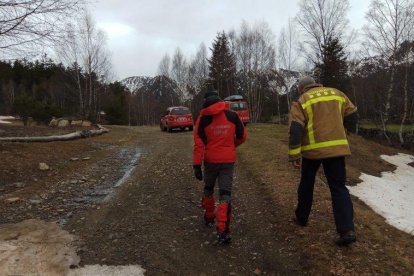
(116, 171)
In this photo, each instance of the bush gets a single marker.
(26, 106)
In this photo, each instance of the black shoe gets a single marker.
(297, 222)
(209, 222)
(346, 238)
(223, 238)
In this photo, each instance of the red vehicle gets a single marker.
(176, 117)
(239, 105)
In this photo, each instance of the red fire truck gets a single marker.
(239, 105)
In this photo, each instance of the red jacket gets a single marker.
(217, 133)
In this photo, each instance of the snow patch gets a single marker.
(98, 270)
(3, 119)
(392, 194)
(35, 247)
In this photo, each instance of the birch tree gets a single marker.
(319, 21)
(164, 66)
(25, 24)
(85, 50)
(287, 51)
(179, 72)
(389, 22)
(255, 57)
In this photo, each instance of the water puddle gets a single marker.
(115, 173)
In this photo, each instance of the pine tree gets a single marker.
(333, 71)
(222, 66)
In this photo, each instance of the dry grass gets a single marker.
(381, 249)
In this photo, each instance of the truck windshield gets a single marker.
(238, 106)
(180, 111)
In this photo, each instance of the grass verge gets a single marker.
(381, 249)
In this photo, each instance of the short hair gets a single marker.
(305, 81)
(211, 93)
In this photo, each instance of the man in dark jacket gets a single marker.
(217, 133)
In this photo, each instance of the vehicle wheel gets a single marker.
(191, 128)
(162, 127)
(169, 129)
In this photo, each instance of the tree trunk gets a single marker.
(401, 131)
(66, 137)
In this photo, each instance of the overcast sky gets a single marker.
(141, 32)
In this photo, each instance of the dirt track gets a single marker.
(156, 221)
(154, 218)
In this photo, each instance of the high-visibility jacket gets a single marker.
(317, 124)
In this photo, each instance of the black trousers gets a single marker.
(335, 173)
(223, 172)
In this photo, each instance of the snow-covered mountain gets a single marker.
(135, 83)
(160, 87)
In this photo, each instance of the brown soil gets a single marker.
(16, 130)
(154, 218)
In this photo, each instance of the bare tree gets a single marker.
(320, 20)
(255, 56)
(179, 73)
(408, 57)
(202, 63)
(85, 49)
(25, 23)
(69, 53)
(388, 24)
(198, 68)
(164, 66)
(288, 43)
(287, 51)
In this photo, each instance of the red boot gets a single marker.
(207, 204)
(223, 222)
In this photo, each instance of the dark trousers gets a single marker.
(223, 172)
(335, 173)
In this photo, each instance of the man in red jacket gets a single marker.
(217, 133)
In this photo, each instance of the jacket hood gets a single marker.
(310, 86)
(214, 109)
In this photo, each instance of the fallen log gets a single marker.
(66, 137)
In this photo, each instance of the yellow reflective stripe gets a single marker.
(322, 99)
(311, 132)
(308, 107)
(294, 151)
(325, 144)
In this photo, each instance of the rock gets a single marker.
(86, 158)
(74, 159)
(257, 272)
(43, 167)
(63, 123)
(74, 182)
(19, 185)
(86, 124)
(76, 122)
(53, 122)
(12, 199)
(35, 201)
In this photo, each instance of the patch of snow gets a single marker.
(98, 270)
(392, 194)
(35, 247)
(3, 119)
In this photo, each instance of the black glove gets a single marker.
(198, 173)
